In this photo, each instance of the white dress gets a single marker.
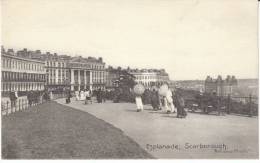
(139, 103)
(77, 95)
(51, 96)
(86, 93)
(82, 96)
(170, 107)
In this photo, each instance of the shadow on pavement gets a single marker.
(157, 112)
(128, 110)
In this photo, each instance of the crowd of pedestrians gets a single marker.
(160, 98)
(172, 101)
(163, 98)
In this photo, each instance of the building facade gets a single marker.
(87, 73)
(21, 73)
(222, 87)
(150, 77)
(74, 73)
(57, 71)
(50, 71)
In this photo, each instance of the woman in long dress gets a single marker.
(51, 95)
(77, 95)
(170, 107)
(82, 95)
(139, 90)
(139, 103)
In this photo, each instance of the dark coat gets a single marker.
(12, 96)
(155, 99)
(179, 103)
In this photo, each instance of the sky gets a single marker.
(190, 39)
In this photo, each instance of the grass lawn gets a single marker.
(54, 131)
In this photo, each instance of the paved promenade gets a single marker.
(165, 136)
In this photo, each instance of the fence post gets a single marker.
(16, 105)
(218, 105)
(25, 101)
(12, 106)
(19, 104)
(3, 112)
(7, 104)
(228, 104)
(22, 103)
(27, 104)
(250, 106)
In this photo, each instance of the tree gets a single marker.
(119, 68)
(126, 82)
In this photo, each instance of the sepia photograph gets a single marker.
(129, 79)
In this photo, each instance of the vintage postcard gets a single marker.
(129, 79)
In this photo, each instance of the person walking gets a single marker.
(30, 97)
(13, 98)
(170, 106)
(139, 90)
(68, 97)
(139, 103)
(180, 104)
(82, 95)
(88, 96)
(155, 100)
(77, 95)
(51, 95)
(99, 96)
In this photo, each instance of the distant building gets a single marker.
(196, 85)
(222, 87)
(150, 77)
(21, 73)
